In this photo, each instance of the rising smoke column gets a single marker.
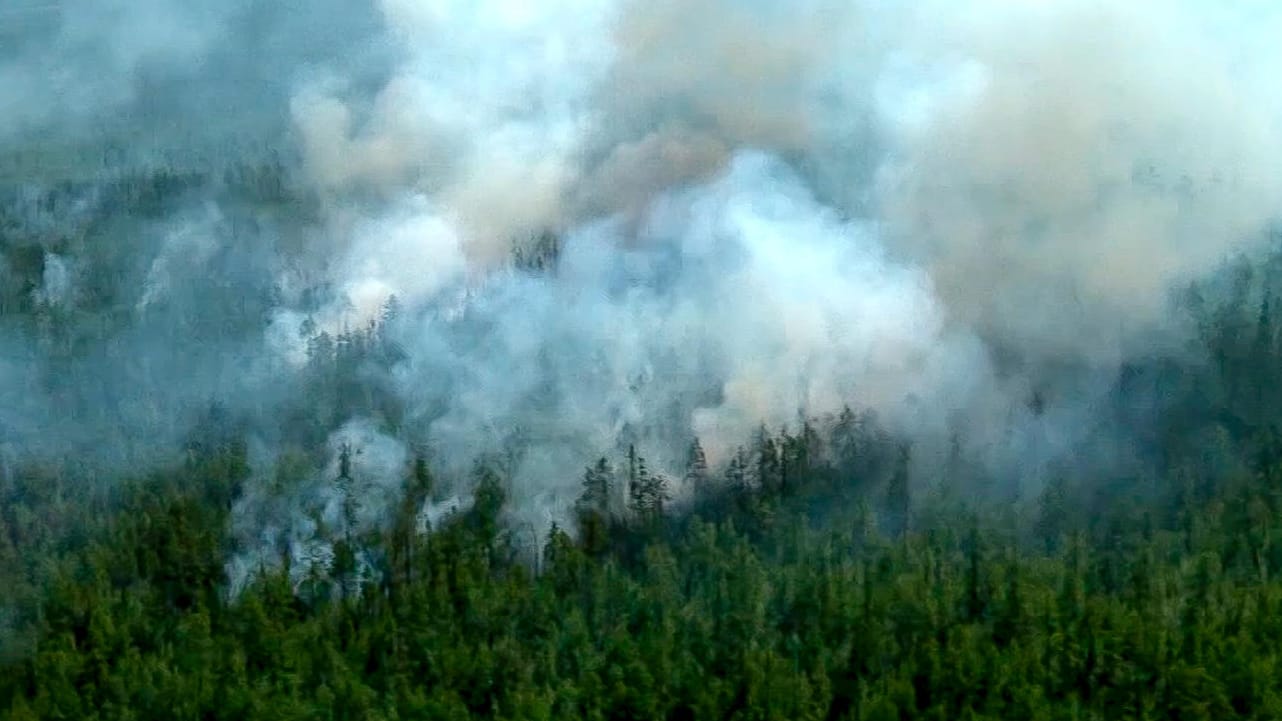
(771, 210)
(766, 209)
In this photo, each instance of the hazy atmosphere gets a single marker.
(765, 211)
(512, 238)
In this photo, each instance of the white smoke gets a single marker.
(766, 210)
(740, 302)
(772, 210)
(58, 288)
(297, 520)
(1080, 159)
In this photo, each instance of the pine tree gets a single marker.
(391, 310)
(592, 508)
(797, 456)
(417, 489)
(346, 486)
(1262, 352)
(1052, 514)
(976, 590)
(597, 488)
(488, 500)
(558, 556)
(696, 477)
(767, 470)
(898, 500)
(647, 492)
(845, 441)
(737, 476)
(638, 477)
(652, 497)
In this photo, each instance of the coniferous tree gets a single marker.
(799, 456)
(488, 499)
(347, 488)
(696, 476)
(1052, 513)
(645, 490)
(845, 443)
(898, 499)
(651, 496)
(593, 506)
(1263, 349)
(597, 488)
(415, 493)
(738, 477)
(766, 470)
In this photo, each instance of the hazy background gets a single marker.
(966, 217)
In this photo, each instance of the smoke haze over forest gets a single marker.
(967, 218)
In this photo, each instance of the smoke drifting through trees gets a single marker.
(765, 211)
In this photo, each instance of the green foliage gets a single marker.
(805, 578)
(806, 621)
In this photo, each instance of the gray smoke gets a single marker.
(766, 211)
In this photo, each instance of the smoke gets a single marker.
(1044, 166)
(301, 510)
(1090, 158)
(765, 211)
(93, 83)
(739, 302)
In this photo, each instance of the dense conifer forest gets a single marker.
(802, 579)
(653, 360)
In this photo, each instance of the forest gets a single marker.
(804, 578)
(662, 360)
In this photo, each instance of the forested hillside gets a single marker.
(640, 359)
(802, 578)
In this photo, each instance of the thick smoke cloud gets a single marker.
(766, 211)
(1062, 153)
(1047, 166)
(741, 302)
(1089, 158)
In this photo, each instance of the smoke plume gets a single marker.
(763, 212)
